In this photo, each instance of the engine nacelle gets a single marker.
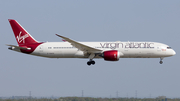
(111, 55)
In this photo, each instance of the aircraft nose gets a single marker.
(173, 52)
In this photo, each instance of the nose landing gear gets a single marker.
(161, 60)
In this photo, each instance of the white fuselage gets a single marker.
(127, 49)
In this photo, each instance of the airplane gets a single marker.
(109, 51)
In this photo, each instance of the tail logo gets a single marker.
(22, 38)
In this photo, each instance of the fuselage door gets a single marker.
(40, 48)
(158, 48)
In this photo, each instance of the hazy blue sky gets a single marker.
(95, 20)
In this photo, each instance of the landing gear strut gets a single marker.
(91, 62)
(161, 60)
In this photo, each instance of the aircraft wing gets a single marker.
(81, 46)
(19, 47)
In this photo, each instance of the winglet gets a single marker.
(61, 37)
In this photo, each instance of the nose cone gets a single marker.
(173, 52)
(170, 52)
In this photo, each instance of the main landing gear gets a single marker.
(161, 60)
(91, 62)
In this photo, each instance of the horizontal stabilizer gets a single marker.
(24, 48)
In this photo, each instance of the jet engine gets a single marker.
(111, 55)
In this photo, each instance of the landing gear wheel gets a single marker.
(161, 62)
(90, 62)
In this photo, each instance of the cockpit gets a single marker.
(168, 47)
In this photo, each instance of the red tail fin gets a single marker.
(21, 35)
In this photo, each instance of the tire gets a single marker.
(92, 62)
(88, 63)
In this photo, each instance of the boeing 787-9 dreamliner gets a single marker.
(109, 51)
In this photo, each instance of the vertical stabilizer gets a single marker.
(21, 35)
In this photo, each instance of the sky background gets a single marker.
(94, 20)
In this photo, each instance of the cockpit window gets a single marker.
(168, 47)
